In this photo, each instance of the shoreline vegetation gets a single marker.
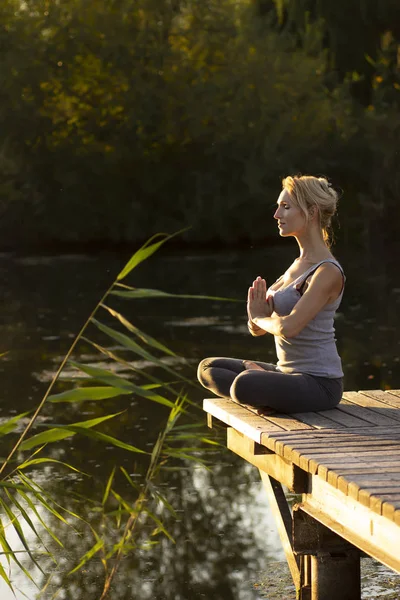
(123, 519)
(124, 118)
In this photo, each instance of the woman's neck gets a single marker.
(312, 247)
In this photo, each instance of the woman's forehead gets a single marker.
(284, 196)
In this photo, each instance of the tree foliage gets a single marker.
(121, 118)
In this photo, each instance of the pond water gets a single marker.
(224, 533)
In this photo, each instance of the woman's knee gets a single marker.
(240, 389)
(204, 365)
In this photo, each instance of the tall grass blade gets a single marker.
(4, 576)
(130, 367)
(82, 394)
(14, 521)
(89, 554)
(6, 546)
(129, 344)
(160, 526)
(146, 251)
(104, 376)
(135, 486)
(107, 377)
(97, 435)
(11, 424)
(38, 461)
(38, 516)
(136, 293)
(108, 486)
(60, 432)
(147, 339)
(23, 512)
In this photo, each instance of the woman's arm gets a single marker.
(325, 286)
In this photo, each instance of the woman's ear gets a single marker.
(313, 212)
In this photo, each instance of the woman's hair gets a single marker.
(307, 192)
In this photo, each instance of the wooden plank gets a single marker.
(385, 505)
(311, 461)
(371, 416)
(344, 418)
(344, 446)
(279, 443)
(293, 452)
(389, 397)
(367, 481)
(332, 473)
(272, 464)
(363, 452)
(317, 420)
(375, 534)
(238, 417)
(370, 430)
(287, 422)
(364, 495)
(361, 399)
(392, 392)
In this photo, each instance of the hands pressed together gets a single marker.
(258, 303)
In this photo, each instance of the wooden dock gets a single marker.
(345, 465)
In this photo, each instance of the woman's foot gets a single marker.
(249, 365)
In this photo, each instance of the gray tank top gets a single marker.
(314, 350)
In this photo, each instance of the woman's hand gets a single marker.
(258, 305)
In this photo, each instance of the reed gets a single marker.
(23, 500)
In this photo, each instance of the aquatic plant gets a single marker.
(24, 502)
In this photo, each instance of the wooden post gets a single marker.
(299, 566)
(335, 563)
(331, 573)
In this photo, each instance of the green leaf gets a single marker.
(11, 424)
(3, 574)
(97, 435)
(36, 512)
(135, 485)
(140, 334)
(104, 376)
(160, 526)
(149, 293)
(144, 252)
(38, 461)
(128, 343)
(107, 377)
(18, 529)
(98, 546)
(60, 432)
(88, 393)
(108, 486)
(129, 366)
(23, 513)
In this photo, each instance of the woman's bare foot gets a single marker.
(249, 365)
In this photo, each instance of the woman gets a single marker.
(298, 310)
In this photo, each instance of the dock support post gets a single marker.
(299, 565)
(330, 573)
(335, 563)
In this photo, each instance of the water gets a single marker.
(224, 534)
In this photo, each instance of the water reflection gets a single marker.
(224, 532)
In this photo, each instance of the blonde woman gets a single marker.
(298, 310)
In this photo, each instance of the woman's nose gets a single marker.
(276, 215)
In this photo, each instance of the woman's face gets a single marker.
(291, 220)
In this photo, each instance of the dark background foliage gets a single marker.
(124, 117)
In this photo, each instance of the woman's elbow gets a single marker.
(289, 330)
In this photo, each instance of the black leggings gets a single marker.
(284, 392)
